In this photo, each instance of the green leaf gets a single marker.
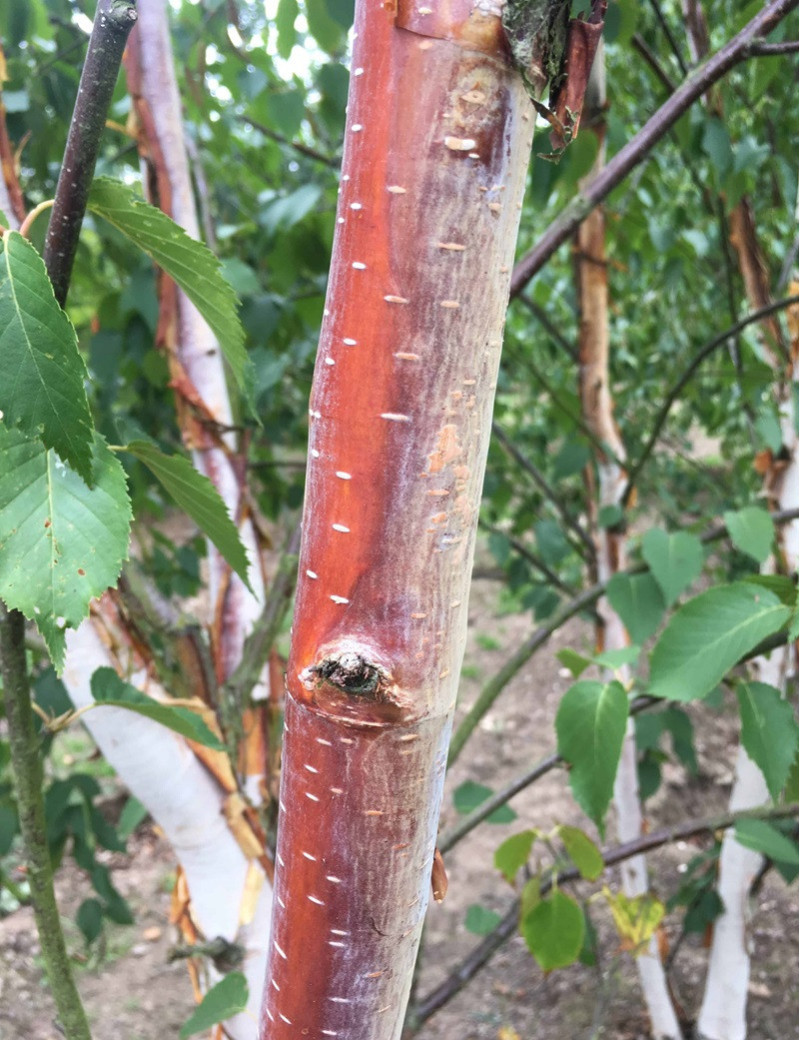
(469, 796)
(708, 635)
(554, 931)
(675, 560)
(189, 263)
(614, 659)
(768, 840)
(582, 851)
(636, 918)
(328, 33)
(590, 726)
(638, 601)
(514, 853)
(575, 662)
(769, 732)
(780, 585)
(42, 372)
(197, 496)
(284, 23)
(89, 919)
(133, 813)
(61, 542)
(111, 691)
(222, 1001)
(752, 531)
(479, 920)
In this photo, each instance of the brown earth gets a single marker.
(133, 993)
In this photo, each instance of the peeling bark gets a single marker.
(597, 408)
(400, 415)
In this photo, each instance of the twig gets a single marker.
(640, 45)
(27, 767)
(483, 952)
(259, 643)
(541, 481)
(765, 50)
(548, 325)
(113, 22)
(451, 838)
(531, 557)
(638, 148)
(303, 149)
(673, 43)
(712, 345)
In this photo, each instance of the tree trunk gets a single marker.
(597, 407)
(437, 141)
(723, 1014)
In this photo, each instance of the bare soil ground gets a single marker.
(133, 993)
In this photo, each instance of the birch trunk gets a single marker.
(723, 1013)
(437, 141)
(597, 407)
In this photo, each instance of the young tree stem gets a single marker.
(27, 767)
(113, 22)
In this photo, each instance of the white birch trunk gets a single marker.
(723, 1013)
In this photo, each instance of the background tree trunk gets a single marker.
(597, 406)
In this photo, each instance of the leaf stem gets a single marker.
(112, 24)
(27, 766)
(27, 223)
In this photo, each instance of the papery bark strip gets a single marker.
(437, 141)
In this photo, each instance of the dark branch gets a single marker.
(113, 22)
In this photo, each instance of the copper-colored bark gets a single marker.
(437, 140)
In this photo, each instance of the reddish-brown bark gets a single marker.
(437, 140)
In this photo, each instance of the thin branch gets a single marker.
(583, 601)
(332, 161)
(485, 949)
(638, 148)
(452, 837)
(712, 345)
(640, 45)
(765, 50)
(549, 326)
(673, 43)
(541, 481)
(27, 766)
(531, 557)
(261, 640)
(113, 22)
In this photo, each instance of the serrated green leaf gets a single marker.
(61, 542)
(708, 635)
(111, 691)
(582, 851)
(590, 726)
(768, 840)
(554, 931)
(195, 494)
(514, 853)
(42, 372)
(188, 262)
(675, 560)
(469, 796)
(530, 896)
(638, 600)
(769, 732)
(780, 585)
(222, 1001)
(479, 920)
(752, 531)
